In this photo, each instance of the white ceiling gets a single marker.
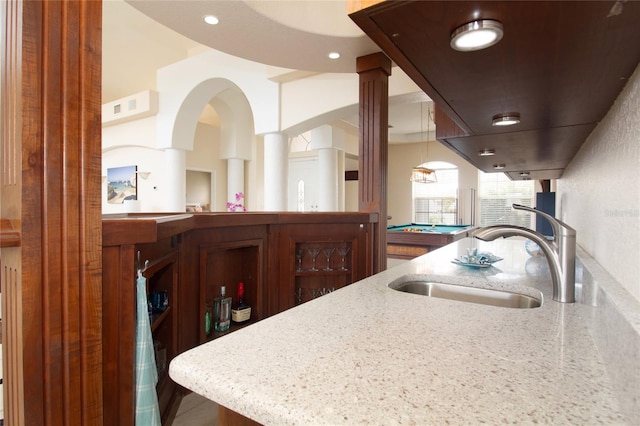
(140, 36)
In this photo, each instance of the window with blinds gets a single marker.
(437, 203)
(496, 194)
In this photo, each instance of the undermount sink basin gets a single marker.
(462, 293)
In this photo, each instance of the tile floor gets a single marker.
(196, 410)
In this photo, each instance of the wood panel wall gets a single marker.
(51, 80)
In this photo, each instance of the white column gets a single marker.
(175, 181)
(235, 180)
(328, 141)
(328, 179)
(276, 166)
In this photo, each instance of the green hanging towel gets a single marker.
(147, 409)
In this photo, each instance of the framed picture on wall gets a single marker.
(122, 184)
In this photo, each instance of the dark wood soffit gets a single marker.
(522, 150)
(561, 64)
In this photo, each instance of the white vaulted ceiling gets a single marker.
(140, 36)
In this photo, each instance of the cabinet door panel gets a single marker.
(316, 260)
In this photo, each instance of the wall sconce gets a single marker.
(143, 175)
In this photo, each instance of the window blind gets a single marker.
(437, 203)
(496, 194)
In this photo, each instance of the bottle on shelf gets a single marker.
(240, 312)
(208, 319)
(222, 311)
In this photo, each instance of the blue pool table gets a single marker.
(411, 240)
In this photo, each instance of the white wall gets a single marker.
(124, 142)
(149, 190)
(599, 192)
(306, 170)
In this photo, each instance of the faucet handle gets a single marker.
(559, 227)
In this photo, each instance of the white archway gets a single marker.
(236, 135)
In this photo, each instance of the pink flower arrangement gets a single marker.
(237, 206)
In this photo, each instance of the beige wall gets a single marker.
(206, 157)
(402, 157)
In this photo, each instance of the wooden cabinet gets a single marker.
(162, 276)
(316, 260)
(160, 242)
(190, 256)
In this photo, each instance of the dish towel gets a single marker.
(147, 409)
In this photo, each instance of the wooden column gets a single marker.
(51, 179)
(374, 71)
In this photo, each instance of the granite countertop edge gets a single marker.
(369, 354)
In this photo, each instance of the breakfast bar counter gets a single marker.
(369, 354)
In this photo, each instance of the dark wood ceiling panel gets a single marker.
(561, 65)
(541, 149)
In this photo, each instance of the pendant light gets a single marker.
(421, 174)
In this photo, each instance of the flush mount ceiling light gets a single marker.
(499, 166)
(334, 55)
(476, 35)
(210, 19)
(524, 174)
(487, 152)
(508, 119)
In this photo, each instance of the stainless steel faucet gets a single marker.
(560, 252)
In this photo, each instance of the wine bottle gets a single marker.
(240, 312)
(222, 311)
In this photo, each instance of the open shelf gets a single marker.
(227, 264)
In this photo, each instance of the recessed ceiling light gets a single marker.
(508, 119)
(499, 166)
(476, 35)
(487, 152)
(210, 19)
(334, 55)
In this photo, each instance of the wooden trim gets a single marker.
(9, 234)
(11, 272)
(445, 126)
(356, 5)
(54, 295)
(374, 71)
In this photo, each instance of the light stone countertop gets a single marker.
(367, 354)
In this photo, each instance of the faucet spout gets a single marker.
(560, 253)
